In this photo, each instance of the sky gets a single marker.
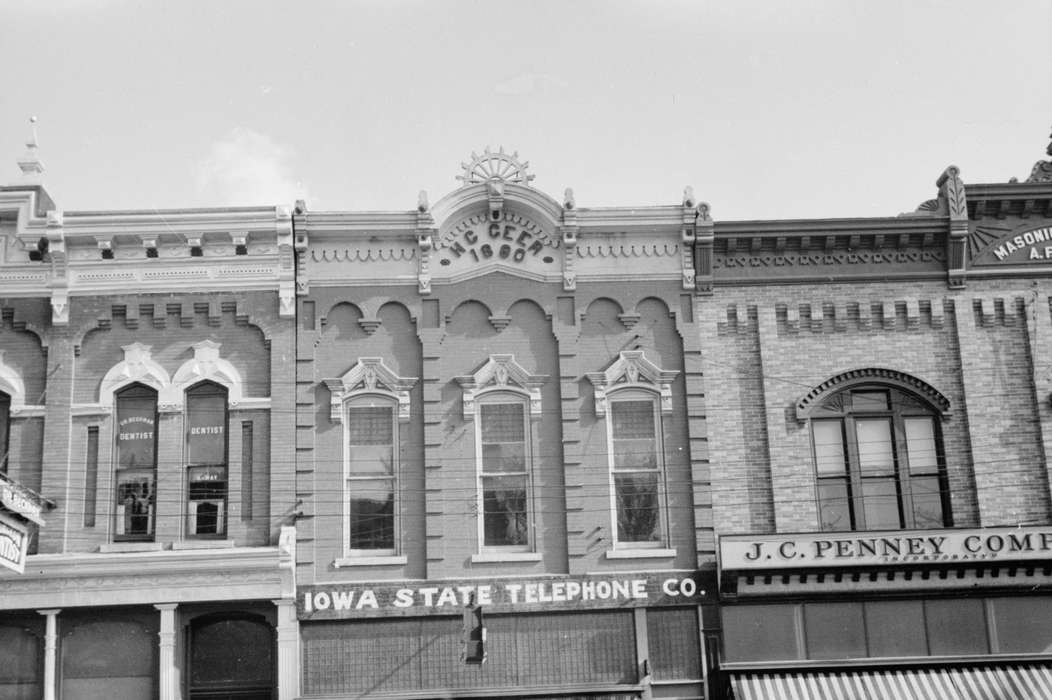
(769, 110)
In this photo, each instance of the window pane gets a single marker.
(635, 454)
(231, 654)
(920, 445)
(207, 506)
(370, 425)
(136, 417)
(504, 511)
(372, 513)
(869, 401)
(502, 422)
(638, 512)
(109, 660)
(135, 491)
(834, 630)
(632, 419)
(834, 505)
(1024, 625)
(206, 426)
(875, 456)
(760, 632)
(5, 416)
(20, 663)
(829, 447)
(893, 628)
(880, 503)
(956, 626)
(504, 457)
(927, 502)
(675, 652)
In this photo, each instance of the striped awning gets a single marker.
(1025, 682)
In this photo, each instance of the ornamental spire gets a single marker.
(30, 163)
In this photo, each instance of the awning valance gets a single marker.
(1024, 682)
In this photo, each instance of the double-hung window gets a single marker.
(879, 461)
(206, 460)
(503, 477)
(637, 469)
(136, 462)
(371, 475)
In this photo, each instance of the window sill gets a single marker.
(113, 547)
(640, 553)
(370, 561)
(496, 557)
(203, 544)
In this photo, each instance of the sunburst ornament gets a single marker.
(495, 167)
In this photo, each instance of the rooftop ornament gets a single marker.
(1042, 171)
(32, 167)
(495, 167)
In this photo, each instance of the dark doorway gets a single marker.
(231, 658)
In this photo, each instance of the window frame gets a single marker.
(151, 533)
(207, 388)
(371, 400)
(638, 394)
(901, 405)
(505, 396)
(5, 430)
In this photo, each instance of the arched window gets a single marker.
(371, 475)
(504, 458)
(878, 460)
(136, 462)
(206, 460)
(636, 467)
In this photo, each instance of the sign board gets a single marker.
(1031, 246)
(14, 544)
(17, 500)
(347, 600)
(887, 548)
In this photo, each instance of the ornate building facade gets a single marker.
(143, 357)
(878, 425)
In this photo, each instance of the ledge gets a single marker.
(203, 544)
(114, 547)
(497, 557)
(370, 561)
(640, 553)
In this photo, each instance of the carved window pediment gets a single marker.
(138, 366)
(369, 376)
(632, 370)
(207, 365)
(502, 373)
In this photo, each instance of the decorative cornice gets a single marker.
(872, 375)
(502, 373)
(369, 376)
(632, 370)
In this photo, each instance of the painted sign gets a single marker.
(513, 240)
(15, 499)
(1032, 246)
(831, 550)
(339, 600)
(14, 544)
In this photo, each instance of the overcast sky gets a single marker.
(768, 109)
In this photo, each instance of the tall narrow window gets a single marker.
(503, 458)
(372, 431)
(636, 469)
(206, 460)
(136, 467)
(878, 461)
(5, 422)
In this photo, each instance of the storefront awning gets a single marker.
(972, 683)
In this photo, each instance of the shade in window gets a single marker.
(503, 460)
(371, 476)
(878, 461)
(636, 469)
(136, 462)
(206, 456)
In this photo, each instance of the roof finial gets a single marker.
(1042, 171)
(32, 167)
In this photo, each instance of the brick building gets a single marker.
(879, 431)
(498, 403)
(143, 356)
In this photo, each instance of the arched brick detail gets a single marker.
(872, 375)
